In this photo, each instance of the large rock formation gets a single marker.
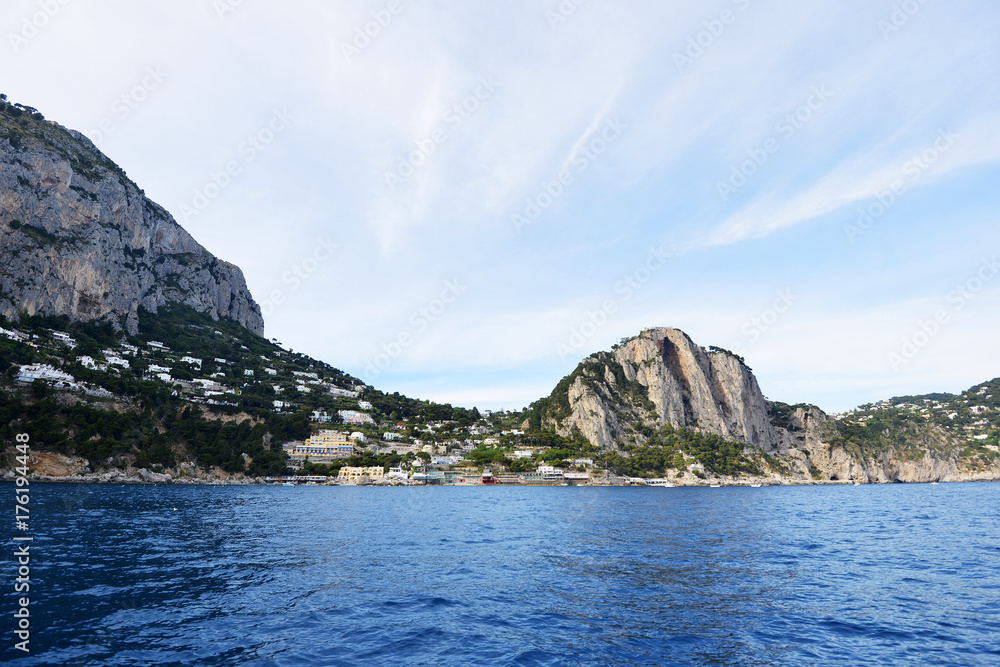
(661, 377)
(809, 442)
(616, 400)
(80, 239)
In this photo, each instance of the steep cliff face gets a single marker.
(80, 239)
(620, 400)
(659, 378)
(810, 448)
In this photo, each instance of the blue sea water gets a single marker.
(172, 575)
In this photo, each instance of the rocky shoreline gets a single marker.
(132, 476)
(54, 467)
(141, 476)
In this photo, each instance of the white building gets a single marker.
(392, 436)
(87, 362)
(358, 436)
(248, 372)
(192, 361)
(157, 345)
(281, 404)
(154, 369)
(271, 371)
(365, 405)
(523, 454)
(354, 417)
(13, 334)
(320, 416)
(64, 338)
(42, 372)
(209, 385)
(117, 361)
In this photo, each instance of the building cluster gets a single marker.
(964, 414)
(325, 446)
(58, 380)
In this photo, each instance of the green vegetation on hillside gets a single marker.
(153, 424)
(673, 449)
(21, 124)
(594, 371)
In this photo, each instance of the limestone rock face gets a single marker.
(80, 239)
(712, 391)
(677, 383)
(662, 378)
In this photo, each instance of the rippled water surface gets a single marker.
(873, 575)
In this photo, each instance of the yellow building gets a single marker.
(325, 444)
(352, 474)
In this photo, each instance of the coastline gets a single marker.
(142, 476)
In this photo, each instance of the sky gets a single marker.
(459, 201)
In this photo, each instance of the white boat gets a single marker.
(660, 482)
(716, 486)
(756, 486)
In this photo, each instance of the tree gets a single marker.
(39, 389)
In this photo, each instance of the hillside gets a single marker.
(185, 395)
(125, 345)
(80, 239)
(658, 403)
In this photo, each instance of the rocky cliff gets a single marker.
(80, 239)
(621, 401)
(662, 377)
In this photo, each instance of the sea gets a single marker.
(905, 574)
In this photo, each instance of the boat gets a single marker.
(756, 486)
(716, 486)
(288, 483)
